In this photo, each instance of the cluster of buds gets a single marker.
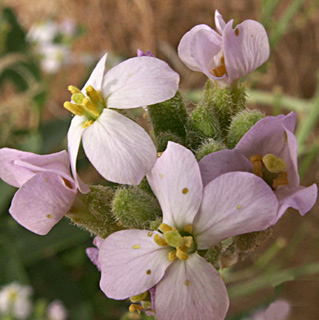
(195, 195)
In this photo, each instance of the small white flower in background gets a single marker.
(15, 300)
(57, 311)
(43, 32)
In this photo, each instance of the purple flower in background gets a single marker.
(269, 149)
(278, 310)
(141, 53)
(93, 253)
(194, 218)
(46, 187)
(228, 54)
(118, 148)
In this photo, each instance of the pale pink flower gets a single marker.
(228, 54)
(46, 187)
(194, 218)
(117, 147)
(278, 310)
(93, 252)
(57, 311)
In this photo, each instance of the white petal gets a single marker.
(176, 182)
(74, 139)
(219, 22)
(233, 204)
(138, 82)
(131, 263)
(190, 290)
(96, 77)
(119, 149)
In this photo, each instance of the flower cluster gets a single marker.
(158, 237)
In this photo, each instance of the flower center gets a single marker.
(271, 168)
(182, 242)
(221, 69)
(90, 106)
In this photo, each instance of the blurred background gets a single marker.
(47, 45)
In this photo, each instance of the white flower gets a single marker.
(56, 311)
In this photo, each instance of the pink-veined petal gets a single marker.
(191, 289)
(119, 149)
(233, 204)
(219, 22)
(93, 254)
(176, 182)
(138, 82)
(96, 77)
(131, 263)
(42, 202)
(246, 48)
(186, 45)
(74, 139)
(223, 161)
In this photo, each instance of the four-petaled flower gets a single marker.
(227, 55)
(269, 149)
(194, 218)
(46, 187)
(118, 148)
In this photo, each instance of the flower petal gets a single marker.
(176, 182)
(138, 82)
(301, 199)
(246, 48)
(93, 254)
(219, 22)
(223, 161)
(186, 45)
(74, 139)
(233, 204)
(118, 148)
(96, 77)
(131, 263)
(191, 289)
(41, 202)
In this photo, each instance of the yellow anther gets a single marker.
(91, 107)
(187, 282)
(165, 227)
(160, 241)
(149, 234)
(87, 123)
(148, 271)
(74, 89)
(74, 108)
(135, 307)
(172, 255)
(257, 162)
(173, 238)
(219, 71)
(181, 254)
(185, 190)
(282, 180)
(139, 297)
(94, 95)
(188, 241)
(274, 164)
(188, 228)
(159, 154)
(238, 206)
(49, 216)
(137, 246)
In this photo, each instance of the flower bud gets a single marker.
(208, 147)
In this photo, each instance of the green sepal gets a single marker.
(207, 147)
(134, 208)
(240, 124)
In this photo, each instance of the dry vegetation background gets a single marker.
(122, 26)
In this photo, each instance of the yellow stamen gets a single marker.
(67, 183)
(257, 162)
(148, 271)
(159, 154)
(282, 180)
(237, 32)
(188, 228)
(181, 253)
(74, 108)
(274, 164)
(91, 107)
(139, 297)
(137, 246)
(94, 95)
(87, 123)
(160, 241)
(219, 71)
(149, 234)
(135, 307)
(172, 255)
(49, 216)
(185, 190)
(165, 227)
(187, 282)
(74, 89)
(188, 241)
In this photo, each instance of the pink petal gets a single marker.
(138, 82)
(96, 77)
(190, 290)
(186, 45)
(118, 148)
(131, 263)
(74, 139)
(176, 182)
(220, 162)
(93, 255)
(233, 204)
(245, 49)
(41, 202)
(219, 22)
